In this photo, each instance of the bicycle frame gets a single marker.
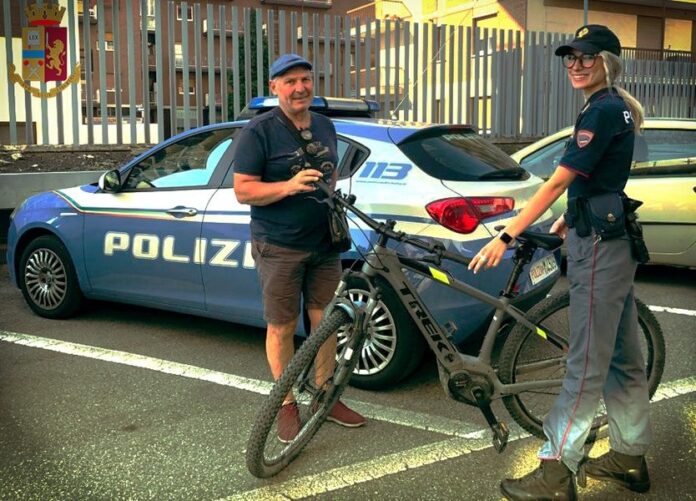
(468, 379)
(383, 258)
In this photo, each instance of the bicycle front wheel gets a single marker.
(316, 386)
(526, 356)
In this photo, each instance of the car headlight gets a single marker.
(16, 210)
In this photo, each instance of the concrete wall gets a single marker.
(15, 187)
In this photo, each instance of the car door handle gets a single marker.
(181, 211)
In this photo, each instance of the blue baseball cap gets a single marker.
(286, 62)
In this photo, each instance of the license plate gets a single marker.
(543, 268)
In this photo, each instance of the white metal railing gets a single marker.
(506, 83)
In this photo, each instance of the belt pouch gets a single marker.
(606, 215)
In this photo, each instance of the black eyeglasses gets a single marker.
(586, 60)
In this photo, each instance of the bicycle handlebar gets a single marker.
(346, 201)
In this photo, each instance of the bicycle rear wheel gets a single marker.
(528, 357)
(266, 455)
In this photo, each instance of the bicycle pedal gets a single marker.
(501, 433)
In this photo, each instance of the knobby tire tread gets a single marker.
(263, 423)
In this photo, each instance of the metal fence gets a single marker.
(151, 69)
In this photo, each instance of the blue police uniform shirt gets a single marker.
(266, 148)
(600, 150)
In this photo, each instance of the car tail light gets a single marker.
(463, 215)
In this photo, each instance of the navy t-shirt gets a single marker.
(600, 150)
(266, 148)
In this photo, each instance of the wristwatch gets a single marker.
(505, 237)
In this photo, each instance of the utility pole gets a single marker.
(584, 11)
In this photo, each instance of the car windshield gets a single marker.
(453, 154)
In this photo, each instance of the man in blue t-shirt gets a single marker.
(274, 173)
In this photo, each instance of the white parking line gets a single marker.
(676, 311)
(468, 437)
(373, 469)
(421, 421)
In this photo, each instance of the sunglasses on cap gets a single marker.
(586, 60)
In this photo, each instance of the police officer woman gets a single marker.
(604, 359)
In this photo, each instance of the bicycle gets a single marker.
(530, 368)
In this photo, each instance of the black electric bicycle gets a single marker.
(530, 368)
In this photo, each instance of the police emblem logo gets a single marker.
(44, 51)
(583, 138)
(44, 44)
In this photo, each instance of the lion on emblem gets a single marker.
(56, 56)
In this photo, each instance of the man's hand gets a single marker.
(303, 181)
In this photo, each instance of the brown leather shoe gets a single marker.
(289, 423)
(344, 416)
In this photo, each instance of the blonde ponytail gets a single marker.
(613, 67)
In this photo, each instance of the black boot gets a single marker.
(630, 472)
(552, 480)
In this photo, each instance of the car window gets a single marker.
(189, 162)
(671, 167)
(666, 144)
(453, 154)
(543, 162)
(653, 154)
(351, 155)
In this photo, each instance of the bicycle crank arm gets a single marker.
(499, 428)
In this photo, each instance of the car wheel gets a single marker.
(48, 280)
(394, 347)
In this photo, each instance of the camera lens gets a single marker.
(312, 148)
(326, 167)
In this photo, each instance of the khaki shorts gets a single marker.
(288, 275)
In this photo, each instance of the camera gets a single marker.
(313, 156)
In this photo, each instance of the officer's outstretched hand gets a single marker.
(489, 256)
(559, 227)
(303, 181)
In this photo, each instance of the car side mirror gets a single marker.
(110, 181)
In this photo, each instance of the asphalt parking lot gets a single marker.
(131, 403)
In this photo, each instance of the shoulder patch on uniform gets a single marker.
(583, 138)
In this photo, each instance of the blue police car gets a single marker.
(166, 231)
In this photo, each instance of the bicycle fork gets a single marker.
(360, 315)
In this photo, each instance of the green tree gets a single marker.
(254, 76)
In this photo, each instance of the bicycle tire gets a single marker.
(266, 455)
(528, 409)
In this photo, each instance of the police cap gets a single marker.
(591, 39)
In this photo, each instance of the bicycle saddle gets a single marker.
(548, 241)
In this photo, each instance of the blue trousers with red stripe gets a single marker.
(604, 357)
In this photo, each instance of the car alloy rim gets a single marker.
(380, 346)
(46, 279)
